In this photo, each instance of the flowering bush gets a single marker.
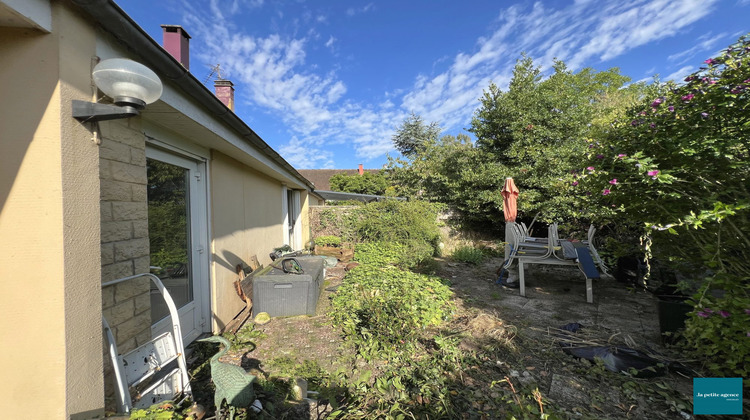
(677, 169)
(718, 331)
(681, 154)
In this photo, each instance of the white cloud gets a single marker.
(583, 32)
(352, 11)
(330, 42)
(301, 155)
(705, 43)
(680, 74)
(313, 102)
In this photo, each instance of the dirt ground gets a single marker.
(531, 355)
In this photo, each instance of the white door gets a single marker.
(177, 224)
(292, 222)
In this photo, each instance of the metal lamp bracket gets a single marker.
(91, 112)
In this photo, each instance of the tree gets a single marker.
(367, 183)
(538, 129)
(413, 135)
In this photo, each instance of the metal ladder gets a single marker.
(143, 363)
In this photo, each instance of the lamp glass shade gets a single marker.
(123, 78)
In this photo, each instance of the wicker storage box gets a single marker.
(284, 294)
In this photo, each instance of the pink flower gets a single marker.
(600, 156)
(653, 173)
(689, 78)
(671, 108)
(606, 191)
(724, 314)
(656, 102)
(688, 97)
(574, 183)
(702, 314)
(613, 181)
(747, 311)
(621, 155)
(590, 169)
(708, 310)
(709, 61)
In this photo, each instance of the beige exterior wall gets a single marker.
(73, 214)
(49, 223)
(246, 213)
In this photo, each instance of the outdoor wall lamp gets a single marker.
(131, 85)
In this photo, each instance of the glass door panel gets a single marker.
(169, 233)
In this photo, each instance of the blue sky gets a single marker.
(326, 83)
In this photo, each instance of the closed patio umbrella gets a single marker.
(510, 210)
(510, 196)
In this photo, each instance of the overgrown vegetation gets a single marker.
(663, 169)
(663, 166)
(381, 307)
(398, 323)
(468, 254)
(676, 170)
(407, 231)
(328, 240)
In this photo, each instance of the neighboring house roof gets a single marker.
(342, 196)
(321, 177)
(114, 20)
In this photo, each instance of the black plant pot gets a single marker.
(672, 314)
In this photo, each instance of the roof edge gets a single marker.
(115, 21)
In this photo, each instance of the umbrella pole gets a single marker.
(513, 268)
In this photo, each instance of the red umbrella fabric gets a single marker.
(510, 196)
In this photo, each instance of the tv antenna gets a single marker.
(215, 70)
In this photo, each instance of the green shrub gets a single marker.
(397, 221)
(328, 240)
(380, 254)
(469, 255)
(381, 307)
(717, 331)
(407, 255)
(412, 224)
